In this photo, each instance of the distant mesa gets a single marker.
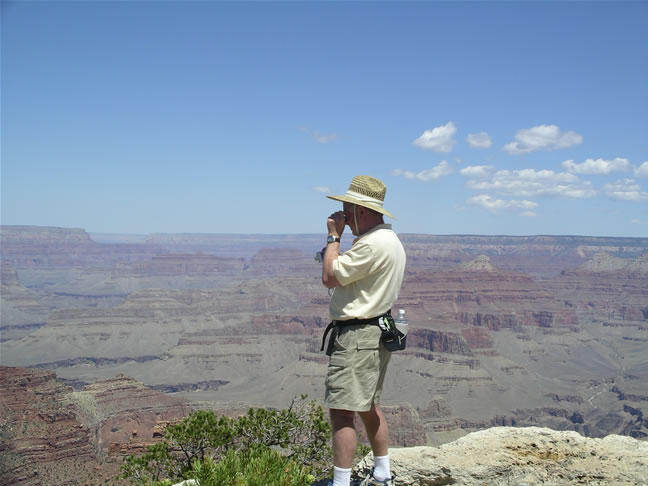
(640, 264)
(20, 234)
(603, 262)
(480, 264)
(52, 246)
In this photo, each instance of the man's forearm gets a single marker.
(335, 226)
(330, 255)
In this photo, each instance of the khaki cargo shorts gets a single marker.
(356, 369)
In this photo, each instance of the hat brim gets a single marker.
(352, 200)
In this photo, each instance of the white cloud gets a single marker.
(479, 140)
(487, 202)
(438, 139)
(324, 138)
(425, 175)
(322, 189)
(528, 214)
(533, 183)
(319, 137)
(542, 137)
(642, 170)
(597, 166)
(477, 171)
(625, 190)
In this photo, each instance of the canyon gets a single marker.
(126, 333)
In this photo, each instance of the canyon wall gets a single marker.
(521, 331)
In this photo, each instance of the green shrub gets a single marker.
(152, 468)
(238, 451)
(200, 434)
(258, 466)
(301, 428)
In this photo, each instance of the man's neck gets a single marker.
(370, 228)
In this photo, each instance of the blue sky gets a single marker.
(515, 118)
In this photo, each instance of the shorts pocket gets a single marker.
(337, 360)
(344, 341)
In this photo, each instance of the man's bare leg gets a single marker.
(344, 437)
(376, 427)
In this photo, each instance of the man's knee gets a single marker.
(374, 410)
(341, 418)
(372, 420)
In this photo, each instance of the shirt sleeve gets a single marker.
(353, 264)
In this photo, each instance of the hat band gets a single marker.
(363, 198)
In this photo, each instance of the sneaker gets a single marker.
(354, 482)
(371, 481)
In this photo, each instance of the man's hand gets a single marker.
(335, 223)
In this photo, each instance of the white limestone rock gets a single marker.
(480, 264)
(509, 456)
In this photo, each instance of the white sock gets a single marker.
(381, 468)
(341, 476)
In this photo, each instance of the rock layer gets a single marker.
(52, 435)
(41, 441)
(507, 456)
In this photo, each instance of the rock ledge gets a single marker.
(522, 457)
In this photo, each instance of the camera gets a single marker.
(319, 256)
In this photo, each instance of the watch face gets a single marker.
(332, 239)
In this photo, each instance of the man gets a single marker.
(367, 280)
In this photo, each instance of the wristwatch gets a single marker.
(332, 239)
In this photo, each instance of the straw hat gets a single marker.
(365, 191)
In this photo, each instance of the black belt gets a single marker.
(351, 322)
